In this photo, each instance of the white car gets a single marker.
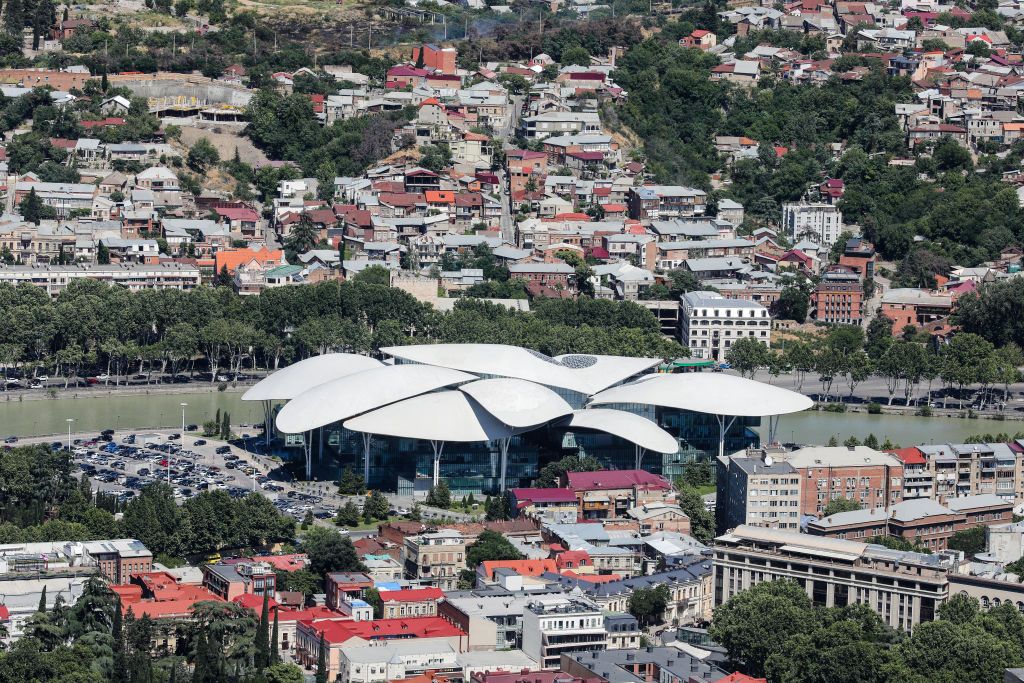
(36, 385)
(42, 378)
(103, 378)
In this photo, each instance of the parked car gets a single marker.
(199, 442)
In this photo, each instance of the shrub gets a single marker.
(874, 408)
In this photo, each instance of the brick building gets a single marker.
(839, 297)
(870, 477)
(119, 558)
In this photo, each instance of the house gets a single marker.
(240, 219)
(411, 602)
(742, 72)
(556, 505)
(655, 517)
(700, 39)
(917, 308)
(665, 202)
(610, 494)
(231, 259)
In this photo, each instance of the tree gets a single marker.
(372, 598)
(275, 654)
(348, 515)
(440, 496)
(497, 508)
(490, 545)
(648, 604)
(329, 551)
(793, 304)
(351, 484)
(840, 504)
(202, 156)
(321, 661)
(879, 337)
(755, 623)
(102, 254)
(702, 524)
(964, 359)
(969, 541)
(575, 55)
(42, 601)
(858, 368)
(224, 278)
(303, 235)
(377, 506)
(281, 672)
(747, 355)
(33, 210)
(262, 660)
(551, 473)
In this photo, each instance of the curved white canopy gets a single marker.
(289, 382)
(584, 373)
(628, 426)
(706, 392)
(516, 402)
(361, 392)
(440, 416)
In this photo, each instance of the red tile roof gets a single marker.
(910, 456)
(616, 479)
(237, 214)
(544, 495)
(337, 632)
(521, 567)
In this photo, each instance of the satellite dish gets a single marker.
(768, 460)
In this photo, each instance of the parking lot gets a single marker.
(122, 463)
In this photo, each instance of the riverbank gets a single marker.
(100, 391)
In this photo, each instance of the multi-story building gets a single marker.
(230, 581)
(820, 222)
(134, 276)
(920, 521)
(435, 559)
(971, 469)
(918, 479)
(859, 255)
(661, 664)
(623, 631)
(610, 494)
(665, 202)
(395, 661)
(493, 615)
(118, 559)
(540, 126)
(62, 197)
(709, 323)
(559, 625)
(903, 588)
(839, 297)
(756, 488)
(862, 474)
(908, 307)
(654, 517)
(546, 505)
(342, 587)
(411, 602)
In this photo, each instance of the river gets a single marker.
(94, 413)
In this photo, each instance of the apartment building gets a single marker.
(870, 477)
(661, 664)
(133, 276)
(903, 588)
(839, 297)
(230, 581)
(969, 469)
(411, 602)
(757, 489)
(709, 323)
(920, 521)
(609, 494)
(547, 124)
(819, 222)
(665, 202)
(493, 616)
(62, 197)
(546, 505)
(435, 559)
(557, 626)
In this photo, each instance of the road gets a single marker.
(508, 226)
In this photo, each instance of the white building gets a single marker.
(556, 625)
(820, 222)
(395, 660)
(709, 323)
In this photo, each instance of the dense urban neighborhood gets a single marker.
(563, 341)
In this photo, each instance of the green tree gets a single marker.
(747, 355)
(490, 545)
(440, 496)
(702, 523)
(372, 598)
(793, 304)
(497, 508)
(964, 359)
(321, 661)
(648, 604)
(377, 506)
(303, 235)
(102, 254)
(840, 504)
(262, 660)
(203, 156)
(351, 484)
(284, 673)
(329, 551)
(348, 515)
(551, 473)
(970, 541)
(33, 210)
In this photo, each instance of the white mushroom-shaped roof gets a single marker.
(439, 416)
(584, 373)
(289, 382)
(628, 426)
(705, 392)
(361, 392)
(516, 402)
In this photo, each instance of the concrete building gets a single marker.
(709, 323)
(230, 581)
(653, 517)
(134, 276)
(648, 664)
(435, 559)
(819, 222)
(1005, 542)
(553, 627)
(493, 615)
(839, 297)
(757, 488)
(411, 602)
(973, 469)
(920, 521)
(665, 202)
(903, 588)
(610, 494)
(556, 505)
(395, 660)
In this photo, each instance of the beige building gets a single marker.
(755, 489)
(435, 559)
(654, 517)
(903, 588)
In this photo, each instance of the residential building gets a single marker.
(133, 276)
(654, 517)
(918, 308)
(862, 474)
(557, 626)
(661, 664)
(919, 521)
(839, 297)
(441, 59)
(492, 616)
(545, 505)
(709, 323)
(411, 602)
(395, 660)
(230, 581)
(610, 494)
(903, 588)
(665, 202)
(62, 197)
(435, 559)
(758, 489)
(970, 469)
(817, 221)
(859, 256)
(341, 587)
(547, 124)
(623, 631)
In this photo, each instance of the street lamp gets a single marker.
(69, 421)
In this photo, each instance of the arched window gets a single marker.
(985, 604)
